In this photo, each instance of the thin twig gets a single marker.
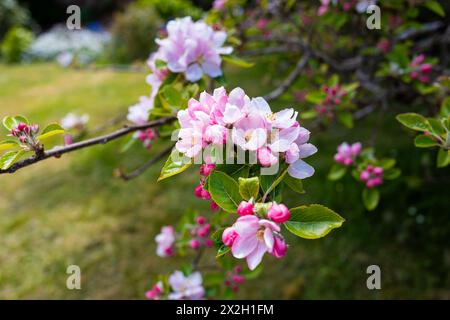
(58, 151)
(290, 79)
(137, 172)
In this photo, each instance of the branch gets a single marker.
(136, 173)
(58, 151)
(290, 79)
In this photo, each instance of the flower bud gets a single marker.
(245, 208)
(279, 213)
(195, 244)
(229, 235)
(206, 169)
(22, 127)
(266, 157)
(279, 248)
(201, 220)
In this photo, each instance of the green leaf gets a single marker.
(159, 64)
(175, 164)
(234, 170)
(414, 121)
(443, 158)
(249, 187)
(350, 86)
(21, 119)
(223, 250)
(172, 95)
(445, 107)
(8, 144)
(386, 163)
(337, 172)
(436, 127)
(8, 159)
(424, 141)
(345, 118)
(310, 114)
(371, 197)
(435, 6)
(224, 191)
(50, 131)
(294, 184)
(313, 221)
(9, 123)
(391, 174)
(272, 184)
(238, 62)
(316, 97)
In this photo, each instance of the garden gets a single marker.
(227, 149)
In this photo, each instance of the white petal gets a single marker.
(300, 170)
(194, 72)
(306, 150)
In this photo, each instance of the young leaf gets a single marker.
(445, 108)
(223, 250)
(371, 197)
(8, 144)
(224, 191)
(249, 187)
(315, 97)
(8, 159)
(21, 119)
(424, 141)
(50, 131)
(391, 174)
(294, 184)
(414, 121)
(443, 158)
(174, 165)
(337, 172)
(313, 221)
(238, 62)
(345, 118)
(9, 122)
(435, 6)
(436, 127)
(172, 96)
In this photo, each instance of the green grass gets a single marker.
(73, 211)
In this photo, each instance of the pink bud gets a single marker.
(378, 171)
(229, 235)
(214, 206)
(364, 176)
(201, 220)
(370, 183)
(279, 213)
(68, 139)
(426, 68)
(238, 279)
(203, 232)
(369, 168)
(198, 191)
(205, 194)
(377, 181)
(356, 148)
(245, 208)
(22, 127)
(279, 248)
(266, 157)
(238, 269)
(195, 244)
(348, 161)
(208, 243)
(23, 139)
(206, 169)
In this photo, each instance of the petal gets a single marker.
(194, 72)
(231, 114)
(268, 239)
(254, 259)
(300, 170)
(285, 118)
(211, 69)
(246, 225)
(257, 140)
(236, 97)
(261, 105)
(243, 246)
(306, 150)
(285, 138)
(219, 38)
(303, 136)
(270, 224)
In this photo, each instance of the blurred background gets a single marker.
(73, 210)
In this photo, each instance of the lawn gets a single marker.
(73, 210)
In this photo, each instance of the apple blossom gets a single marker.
(229, 235)
(74, 121)
(372, 176)
(193, 48)
(279, 247)
(419, 69)
(245, 208)
(346, 153)
(255, 238)
(186, 287)
(165, 241)
(155, 292)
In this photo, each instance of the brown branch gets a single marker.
(290, 79)
(58, 151)
(137, 172)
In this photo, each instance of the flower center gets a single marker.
(260, 234)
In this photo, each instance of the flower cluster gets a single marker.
(26, 134)
(359, 5)
(165, 241)
(252, 236)
(372, 176)
(346, 153)
(193, 48)
(234, 278)
(200, 234)
(200, 191)
(181, 287)
(420, 70)
(332, 99)
(250, 125)
(146, 136)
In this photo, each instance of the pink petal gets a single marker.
(268, 239)
(300, 170)
(243, 246)
(254, 259)
(306, 150)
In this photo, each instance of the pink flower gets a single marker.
(279, 213)
(419, 69)
(255, 238)
(186, 287)
(279, 247)
(165, 241)
(266, 158)
(346, 153)
(245, 208)
(372, 176)
(206, 169)
(193, 48)
(219, 4)
(139, 113)
(155, 292)
(229, 235)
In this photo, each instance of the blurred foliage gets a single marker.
(133, 33)
(12, 14)
(169, 9)
(15, 43)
